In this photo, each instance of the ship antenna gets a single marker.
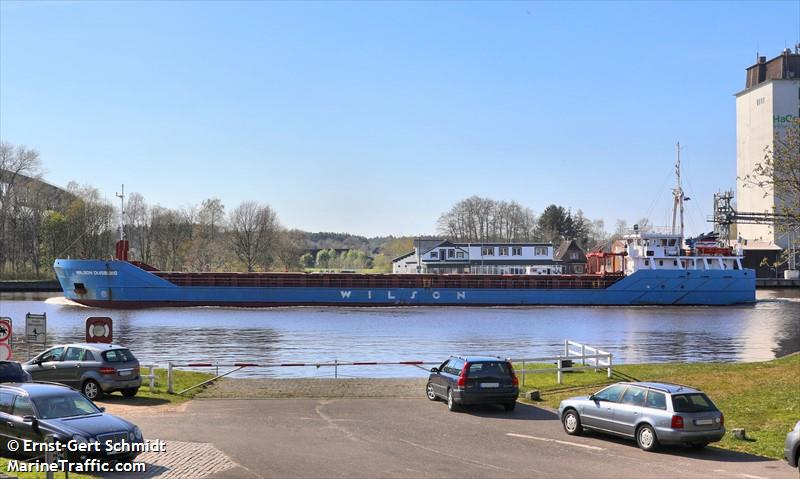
(121, 197)
(678, 192)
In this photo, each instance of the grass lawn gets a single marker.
(762, 397)
(181, 381)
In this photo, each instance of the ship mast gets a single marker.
(678, 192)
(121, 197)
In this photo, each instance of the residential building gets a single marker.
(572, 257)
(441, 256)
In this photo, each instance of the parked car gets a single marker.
(92, 368)
(650, 413)
(12, 372)
(40, 412)
(791, 449)
(467, 380)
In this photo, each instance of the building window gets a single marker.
(451, 253)
(540, 251)
(434, 254)
(516, 251)
(579, 268)
(573, 255)
(487, 251)
(460, 255)
(503, 251)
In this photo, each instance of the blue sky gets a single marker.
(374, 118)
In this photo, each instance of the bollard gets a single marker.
(169, 378)
(152, 377)
(583, 355)
(336, 369)
(559, 370)
(523, 372)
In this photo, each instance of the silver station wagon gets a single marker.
(651, 413)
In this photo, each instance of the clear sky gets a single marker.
(375, 117)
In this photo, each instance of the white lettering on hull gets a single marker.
(391, 296)
(346, 294)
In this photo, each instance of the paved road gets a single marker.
(419, 438)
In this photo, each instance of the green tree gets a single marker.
(307, 261)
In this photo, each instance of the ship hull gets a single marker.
(119, 284)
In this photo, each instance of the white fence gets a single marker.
(596, 358)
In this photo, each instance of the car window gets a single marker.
(64, 405)
(73, 354)
(454, 366)
(634, 396)
(88, 356)
(611, 394)
(695, 402)
(22, 407)
(6, 400)
(495, 369)
(118, 356)
(656, 400)
(52, 355)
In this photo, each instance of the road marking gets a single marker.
(442, 453)
(566, 443)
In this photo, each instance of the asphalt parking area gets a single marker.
(419, 438)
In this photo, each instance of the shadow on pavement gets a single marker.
(709, 453)
(523, 412)
(134, 401)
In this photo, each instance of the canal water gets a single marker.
(762, 331)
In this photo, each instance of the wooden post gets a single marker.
(609, 366)
(559, 370)
(169, 378)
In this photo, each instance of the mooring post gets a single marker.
(560, 363)
(169, 378)
(583, 355)
(335, 368)
(609, 366)
(523, 372)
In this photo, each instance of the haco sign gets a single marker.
(99, 329)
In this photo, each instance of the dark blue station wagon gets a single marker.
(468, 380)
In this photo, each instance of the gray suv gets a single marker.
(651, 413)
(791, 449)
(91, 368)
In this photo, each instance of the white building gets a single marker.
(445, 257)
(769, 103)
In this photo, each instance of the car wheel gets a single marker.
(91, 389)
(429, 393)
(451, 403)
(130, 392)
(510, 406)
(646, 438)
(572, 423)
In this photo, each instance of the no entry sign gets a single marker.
(98, 329)
(5, 339)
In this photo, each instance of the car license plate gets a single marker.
(125, 372)
(490, 385)
(703, 422)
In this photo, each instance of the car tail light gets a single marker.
(462, 378)
(514, 378)
(677, 422)
(107, 371)
(721, 419)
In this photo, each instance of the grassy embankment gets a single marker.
(762, 397)
(181, 381)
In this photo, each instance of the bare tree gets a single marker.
(15, 164)
(253, 229)
(483, 219)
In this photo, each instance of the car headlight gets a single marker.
(137, 433)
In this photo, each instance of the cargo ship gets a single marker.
(652, 269)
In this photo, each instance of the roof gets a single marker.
(668, 387)
(93, 346)
(479, 359)
(426, 245)
(410, 253)
(34, 388)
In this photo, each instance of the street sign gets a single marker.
(5, 339)
(98, 329)
(36, 328)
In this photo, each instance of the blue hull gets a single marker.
(119, 284)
